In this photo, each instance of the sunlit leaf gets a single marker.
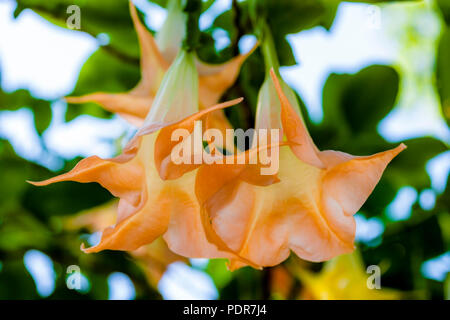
(443, 73)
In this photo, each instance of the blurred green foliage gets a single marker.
(443, 61)
(353, 106)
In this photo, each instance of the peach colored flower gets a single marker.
(309, 211)
(156, 57)
(154, 258)
(152, 202)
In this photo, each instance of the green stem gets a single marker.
(263, 32)
(173, 5)
(193, 10)
(268, 49)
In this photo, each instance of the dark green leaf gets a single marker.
(22, 98)
(360, 100)
(444, 5)
(409, 166)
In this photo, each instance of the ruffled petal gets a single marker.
(170, 210)
(214, 80)
(134, 105)
(122, 176)
(310, 211)
(212, 179)
(351, 182)
(154, 258)
(164, 144)
(262, 224)
(141, 228)
(93, 219)
(186, 235)
(119, 103)
(295, 130)
(153, 64)
(229, 186)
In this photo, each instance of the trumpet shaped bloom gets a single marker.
(152, 203)
(156, 56)
(309, 211)
(154, 258)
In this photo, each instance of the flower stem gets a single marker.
(193, 10)
(268, 49)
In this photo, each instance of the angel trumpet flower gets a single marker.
(154, 258)
(156, 56)
(153, 203)
(309, 211)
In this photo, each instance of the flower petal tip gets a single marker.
(37, 183)
(233, 102)
(255, 46)
(74, 99)
(398, 149)
(219, 106)
(87, 250)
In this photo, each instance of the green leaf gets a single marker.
(444, 5)
(20, 230)
(403, 250)
(100, 16)
(408, 168)
(383, 194)
(42, 118)
(22, 98)
(443, 73)
(284, 51)
(290, 16)
(217, 269)
(161, 3)
(331, 7)
(226, 21)
(102, 72)
(381, 1)
(245, 284)
(207, 51)
(16, 172)
(16, 282)
(360, 100)
(444, 222)
(18, 99)
(447, 287)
